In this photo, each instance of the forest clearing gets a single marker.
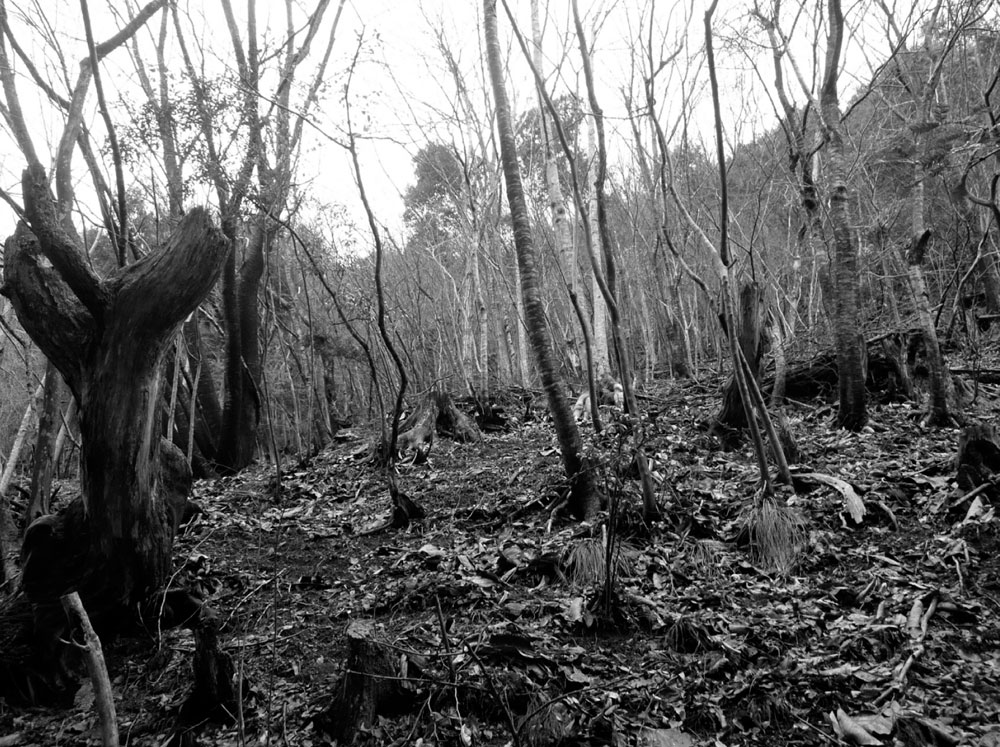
(621, 373)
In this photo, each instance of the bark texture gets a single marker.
(750, 336)
(583, 501)
(107, 338)
(372, 686)
(852, 413)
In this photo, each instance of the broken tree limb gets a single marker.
(853, 502)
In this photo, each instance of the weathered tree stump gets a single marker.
(57, 557)
(436, 415)
(416, 432)
(214, 695)
(978, 459)
(454, 423)
(372, 685)
(107, 336)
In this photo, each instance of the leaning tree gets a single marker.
(583, 499)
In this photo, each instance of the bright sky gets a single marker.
(403, 94)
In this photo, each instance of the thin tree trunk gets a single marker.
(599, 325)
(482, 317)
(605, 278)
(942, 391)
(524, 373)
(563, 231)
(852, 413)
(42, 462)
(583, 498)
(19, 438)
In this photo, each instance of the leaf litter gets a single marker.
(884, 630)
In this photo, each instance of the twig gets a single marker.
(974, 492)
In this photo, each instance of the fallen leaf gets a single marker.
(665, 738)
(849, 729)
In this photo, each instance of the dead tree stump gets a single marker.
(454, 423)
(978, 459)
(416, 433)
(213, 697)
(437, 414)
(372, 686)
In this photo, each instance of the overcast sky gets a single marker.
(402, 93)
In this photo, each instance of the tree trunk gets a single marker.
(750, 337)
(107, 338)
(563, 231)
(599, 322)
(852, 413)
(42, 464)
(583, 498)
(19, 438)
(523, 370)
(242, 406)
(942, 390)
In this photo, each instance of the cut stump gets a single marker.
(214, 696)
(372, 685)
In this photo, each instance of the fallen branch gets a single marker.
(104, 699)
(852, 501)
(916, 625)
(982, 488)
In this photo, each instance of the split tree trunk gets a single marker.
(750, 337)
(107, 337)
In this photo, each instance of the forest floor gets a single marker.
(883, 631)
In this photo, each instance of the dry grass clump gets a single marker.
(703, 555)
(586, 562)
(547, 723)
(776, 535)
